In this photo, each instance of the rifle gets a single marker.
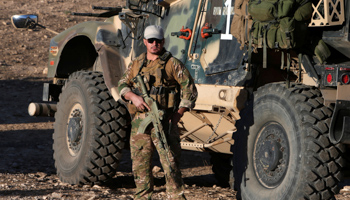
(111, 11)
(154, 116)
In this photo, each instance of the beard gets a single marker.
(155, 50)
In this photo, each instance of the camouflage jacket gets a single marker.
(176, 74)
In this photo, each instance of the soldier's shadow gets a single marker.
(189, 160)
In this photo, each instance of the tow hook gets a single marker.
(183, 33)
(208, 31)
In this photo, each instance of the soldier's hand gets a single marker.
(140, 103)
(175, 118)
(177, 115)
(137, 101)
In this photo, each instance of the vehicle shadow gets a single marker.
(17, 94)
(26, 151)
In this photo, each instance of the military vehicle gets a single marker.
(275, 121)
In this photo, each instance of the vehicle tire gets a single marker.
(283, 150)
(89, 131)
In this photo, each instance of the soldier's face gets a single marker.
(154, 46)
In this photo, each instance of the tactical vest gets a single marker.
(165, 93)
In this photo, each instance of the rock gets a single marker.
(63, 184)
(156, 169)
(56, 195)
(105, 192)
(6, 23)
(345, 189)
(45, 71)
(91, 196)
(96, 187)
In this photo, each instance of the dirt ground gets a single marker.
(26, 164)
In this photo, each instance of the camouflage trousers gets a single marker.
(142, 146)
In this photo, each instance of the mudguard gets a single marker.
(106, 42)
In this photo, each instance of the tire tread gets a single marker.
(109, 129)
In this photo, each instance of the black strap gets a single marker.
(165, 57)
(250, 45)
(300, 56)
(265, 46)
(304, 2)
(288, 69)
(144, 63)
(282, 60)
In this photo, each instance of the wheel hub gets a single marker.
(271, 155)
(75, 131)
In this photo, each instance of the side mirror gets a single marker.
(24, 21)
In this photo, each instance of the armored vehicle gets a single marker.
(275, 120)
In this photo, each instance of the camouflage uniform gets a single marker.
(142, 144)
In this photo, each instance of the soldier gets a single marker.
(171, 85)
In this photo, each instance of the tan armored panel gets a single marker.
(328, 13)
